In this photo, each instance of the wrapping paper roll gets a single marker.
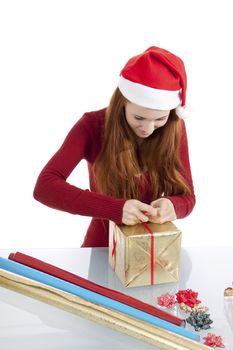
(228, 305)
(93, 297)
(82, 282)
(153, 335)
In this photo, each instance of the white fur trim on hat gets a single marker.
(149, 97)
(184, 112)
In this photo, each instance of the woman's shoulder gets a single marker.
(96, 117)
(91, 124)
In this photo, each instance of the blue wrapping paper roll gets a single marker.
(93, 297)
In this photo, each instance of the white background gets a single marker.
(60, 59)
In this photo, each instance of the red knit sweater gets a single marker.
(84, 142)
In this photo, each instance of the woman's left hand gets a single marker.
(166, 211)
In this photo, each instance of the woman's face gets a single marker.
(143, 121)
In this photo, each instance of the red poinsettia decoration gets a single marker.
(188, 297)
(214, 341)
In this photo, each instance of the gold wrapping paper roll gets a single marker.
(159, 337)
(228, 305)
(130, 253)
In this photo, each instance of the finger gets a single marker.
(132, 220)
(146, 208)
(156, 203)
(141, 216)
(164, 219)
(156, 213)
(154, 220)
(169, 218)
(158, 221)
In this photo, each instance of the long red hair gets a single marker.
(120, 168)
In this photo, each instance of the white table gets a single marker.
(29, 324)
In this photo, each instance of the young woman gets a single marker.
(136, 150)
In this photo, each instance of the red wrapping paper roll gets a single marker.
(82, 282)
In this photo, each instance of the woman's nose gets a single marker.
(149, 127)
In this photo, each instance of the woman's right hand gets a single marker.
(135, 211)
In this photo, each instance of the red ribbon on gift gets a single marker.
(114, 244)
(152, 251)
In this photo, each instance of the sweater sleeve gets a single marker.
(53, 190)
(184, 204)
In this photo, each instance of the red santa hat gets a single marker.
(155, 79)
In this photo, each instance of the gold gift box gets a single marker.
(141, 258)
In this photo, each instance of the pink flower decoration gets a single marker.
(166, 300)
(214, 341)
(188, 297)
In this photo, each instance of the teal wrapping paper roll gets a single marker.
(93, 297)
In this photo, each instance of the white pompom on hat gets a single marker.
(155, 79)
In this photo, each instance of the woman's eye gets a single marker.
(138, 118)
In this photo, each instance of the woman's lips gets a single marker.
(144, 133)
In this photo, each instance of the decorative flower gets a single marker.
(199, 320)
(188, 297)
(214, 341)
(166, 300)
(188, 309)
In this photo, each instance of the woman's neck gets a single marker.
(139, 141)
